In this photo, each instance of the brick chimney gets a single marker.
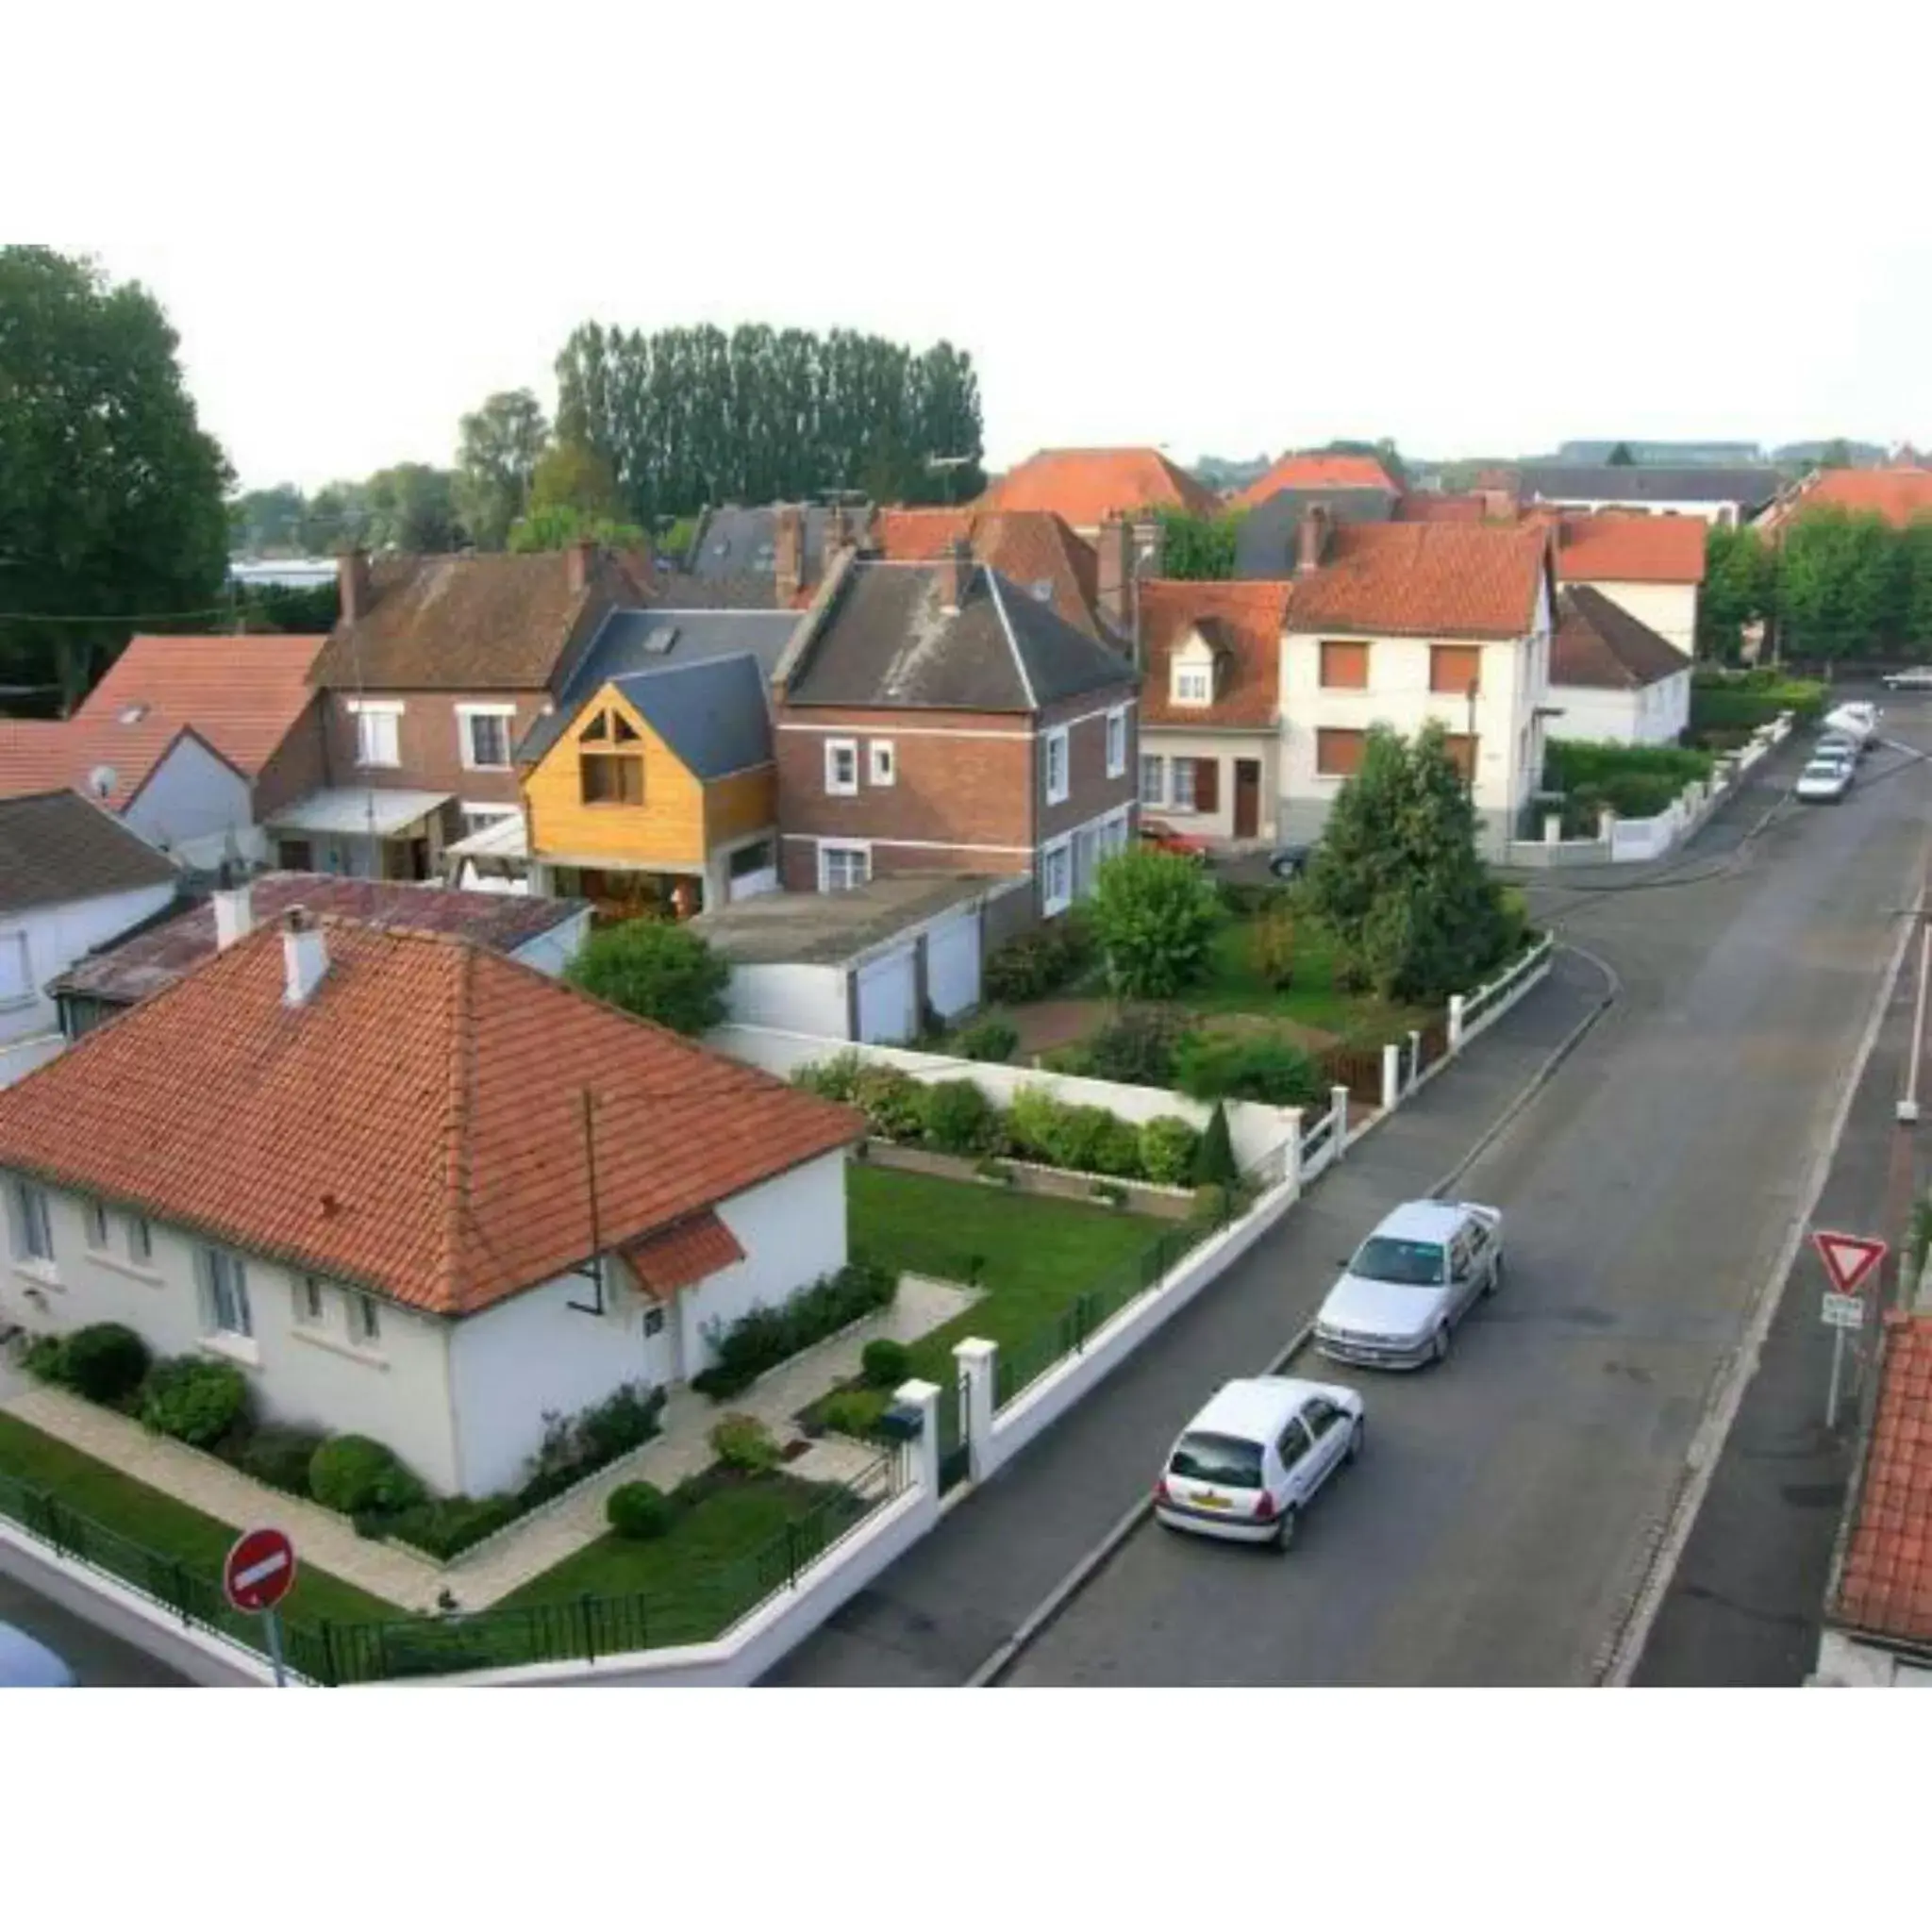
(234, 915)
(305, 957)
(351, 583)
(955, 572)
(1311, 538)
(1114, 547)
(579, 559)
(787, 554)
(1499, 506)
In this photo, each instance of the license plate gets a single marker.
(1206, 1499)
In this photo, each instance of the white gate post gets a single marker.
(1291, 1153)
(925, 1397)
(1553, 828)
(1455, 1006)
(1415, 1059)
(1392, 1077)
(978, 1382)
(1338, 1100)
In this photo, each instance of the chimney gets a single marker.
(1150, 548)
(305, 957)
(351, 583)
(1114, 547)
(579, 556)
(234, 915)
(787, 554)
(955, 572)
(1312, 539)
(1499, 507)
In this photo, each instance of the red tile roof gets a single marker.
(240, 695)
(680, 1256)
(1450, 580)
(1886, 1583)
(1316, 471)
(1244, 620)
(415, 1126)
(1899, 496)
(1087, 486)
(1028, 547)
(1440, 507)
(1611, 549)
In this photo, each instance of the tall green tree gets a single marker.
(111, 494)
(1841, 589)
(572, 475)
(1739, 588)
(267, 520)
(500, 446)
(1915, 548)
(412, 507)
(1197, 546)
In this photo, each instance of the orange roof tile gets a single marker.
(1028, 547)
(240, 695)
(1087, 486)
(1243, 620)
(1885, 1585)
(1447, 507)
(415, 1127)
(1899, 496)
(1471, 580)
(680, 1256)
(1316, 471)
(1611, 549)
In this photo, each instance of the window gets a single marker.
(1294, 1444)
(484, 733)
(882, 760)
(1207, 784)
(1057, 779)
(365, 1321)
(94, 1218)
(1345, 666)
(1184, 770)
(1153, 779)
(841, 767)
(1321, 1415)
(610, 777)
(224, 1285)
(141, 1240)
(1409, 1264)
(33, 1234)
(1056, 878)
(1230, 1461)
(1455, 669)
(842, 868)
(1117, 743)
(654, 1321)
(1113, 836)
(16, 972)
(1338, 753)
(756, 857)
(477, 818)
(1193, 684)
(309, 1307)
(376, 736)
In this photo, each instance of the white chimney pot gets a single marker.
(234, 916)
(305, 957)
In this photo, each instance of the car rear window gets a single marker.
(1414, 1264)
(1226, 1460)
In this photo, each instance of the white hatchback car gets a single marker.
(1824, 780)
(1411, 1282)
(1246, 1466)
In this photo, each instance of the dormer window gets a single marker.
(1191, 677)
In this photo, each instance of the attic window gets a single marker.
(133, 714)
(622, 729)
(1043, 590)
(599, 726)
(659, 638)
(1193, 684)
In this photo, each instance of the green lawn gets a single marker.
(1313, 1000)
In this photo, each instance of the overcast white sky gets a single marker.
(1477, 228)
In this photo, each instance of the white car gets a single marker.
(1858, 722)
(1247, 1466)
(1824, 780)
(1404, 1289)
(1915, 677)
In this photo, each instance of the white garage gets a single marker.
(952, 964)
(887, 997)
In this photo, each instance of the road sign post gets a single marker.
(1849, 1259)
(259, 1572)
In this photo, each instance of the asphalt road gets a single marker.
(95, 1657)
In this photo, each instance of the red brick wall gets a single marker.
(1092, 791)
(299, 766)
(427, 743)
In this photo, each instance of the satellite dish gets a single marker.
(102, 780)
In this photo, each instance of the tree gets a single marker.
(1915, 632)
(572, 476)
(412, 507)
(1622, 457)
(267, 520)
(656, 970)
(496, 461)
(334, 518)
(1740, 586)
(1841, 585)
(111, 494)
(559, 527)
(1214, 1164)
(1197, 546)
(1397, 878)
(1836, 455)
(1154, 913)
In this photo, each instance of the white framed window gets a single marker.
(365, 1321)
(483, 734)
(1183, 799)
(841, 767)
(93, 1219)
(1113, 835)
(882, 762)
(1117, 743)
(1056, 877)
(16, 971)
(378, 733)
(842, 868)
(225, 1289)
(1153, 778)
(1193, 684)
(33, 1232)
(654, 1321)
(311, 1305)
(141, 1240)
(1057, 781)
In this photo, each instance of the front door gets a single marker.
(662, 1366)
(1247, 798)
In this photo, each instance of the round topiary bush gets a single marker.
(958, 1117)
(1167, 1149)
(104, 1361)
(194, 1401)
(639, 1511)
(280, 1458)
(356, 1476)
(885, 1363)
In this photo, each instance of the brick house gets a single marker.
(935, 717)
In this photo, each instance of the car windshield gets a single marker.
(1822, 768)
(1225, 1460)
(1412, 1264)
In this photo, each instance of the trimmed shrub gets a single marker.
(1136, 1047)
(104, 1361)
(1117, 1149)
(1040, 961)
(1210, 1203)
(1167, 1149)
(360, 1477)
(885, 1363)
(988, 1039)
(894, 1103)
(445, 1526)
(1214, 1159)
(959, 1119)
(658, 971)
(743, 1442)
(834, 1079)
(280, 1458)
(1155, 913)
(767, 1336)
(853, 1411)
(640, 1513)
(194, 1401)
(1253, 1066)
(625, 1420)
(45, 1359)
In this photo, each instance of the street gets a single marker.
(1497, 1527)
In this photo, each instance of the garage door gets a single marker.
(888, 1011)
(952, 965)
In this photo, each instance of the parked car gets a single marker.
(1404, 1289)
(1837, 744)
(1290, 861)
(1824, 780)
(1248, 1465)
(1165, 838)
(27, 1664)
(1858, 721)
(1913, 677)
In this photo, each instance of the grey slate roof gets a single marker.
(1640, 483)
(712, 712)
(736, 540)
(56, 847)
(888, 641)
(1264, 545)
(632, 640)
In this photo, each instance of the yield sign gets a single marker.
(1847, 1257)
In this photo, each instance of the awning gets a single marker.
(675, 1256)
(364, 810)
(506, 838)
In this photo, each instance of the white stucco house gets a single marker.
(1614, 680)
(72, 878)
(1652, 566)
(1401, 624)
(413, 1190)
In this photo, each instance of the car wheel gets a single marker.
(1441, 1351)
(1284, 1530)
(1357, 1437)
(1496, 1280)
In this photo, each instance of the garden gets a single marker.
(1635, 781)
(1727, 707)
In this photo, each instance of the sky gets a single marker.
(1228, 229)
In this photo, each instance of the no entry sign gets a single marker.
(261, 1570)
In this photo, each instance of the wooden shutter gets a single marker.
(1338, 753)
(1463, 753)
(1455, 668)
(1345, 666)
(1207, 784)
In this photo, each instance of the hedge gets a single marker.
(1743, 700)
(770, 1334)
